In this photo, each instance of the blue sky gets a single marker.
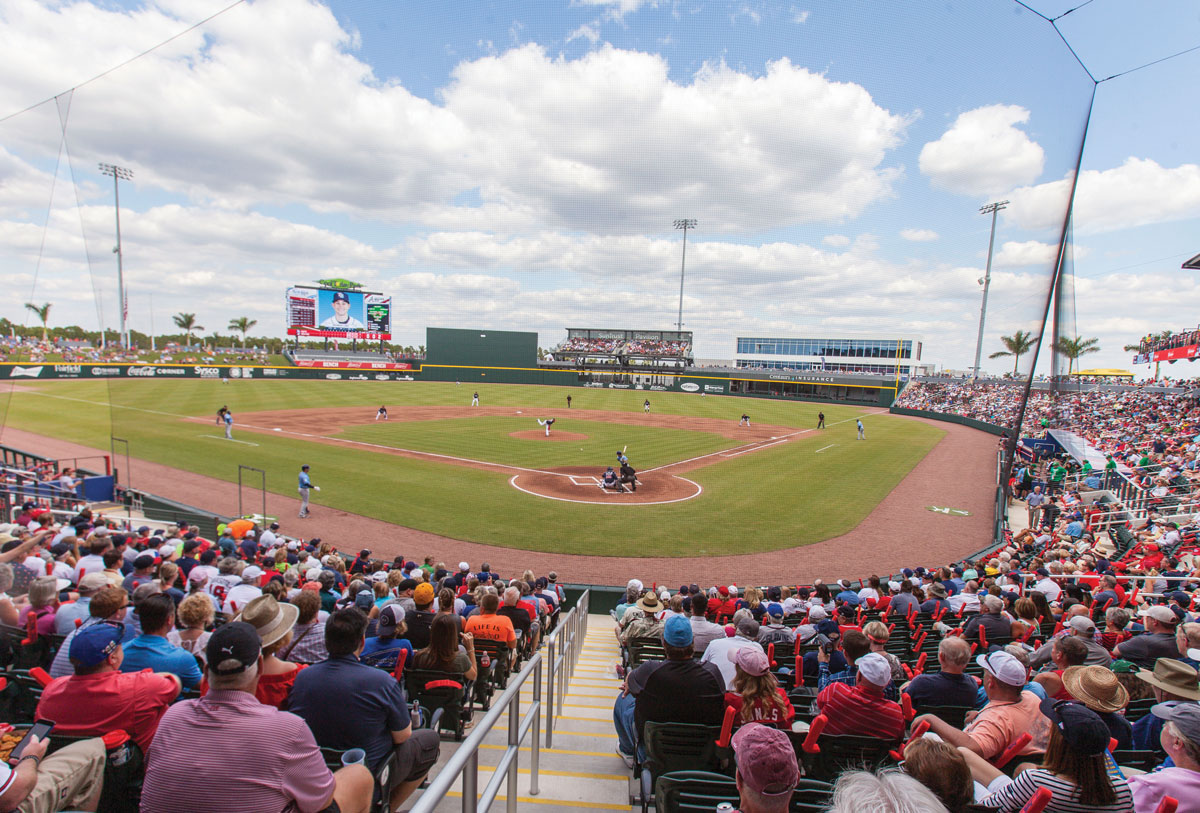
(518, 165)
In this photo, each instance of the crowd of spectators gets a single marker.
(201, 646)
(1168, 340)
(64, 351)
(574, 346)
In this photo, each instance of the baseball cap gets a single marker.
(389, 619)
(765, 759)
(817, 614)
(190, 545)
(252, 572)
(167, 550)
(751, 659)
(1185, 716)
(379, 576)
(364, 599)
(197, 574)
(423, 594)
(143, 561)
(340, 296)
(92, 644)
(677, 631)
(1041, 571)
(1082, 728)
(464, 567)
(233, 648)
(91, 582)
(1161, 614)
(1081, 623)
(875, 668)
(1003, 667)
(60, 549)
(775, 610)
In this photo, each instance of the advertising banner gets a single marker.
(1175, 353)
(353, 365)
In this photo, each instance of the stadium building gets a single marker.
(891, 357)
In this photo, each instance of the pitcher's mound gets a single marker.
(582, 484)
(540, 434)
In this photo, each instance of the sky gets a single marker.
(519, 165)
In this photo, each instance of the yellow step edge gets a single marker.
(607, 777)
(563, 751)
(533, 800)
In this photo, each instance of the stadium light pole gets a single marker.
(118, 174)
(992, 209)
(685, 224)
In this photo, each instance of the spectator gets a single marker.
(1180, 739)
(774, 631)
(371, 712)
(99, 698)
(1115, 621)
(1158, 641)
(645, 624)
(966, 601)
(1172, 682)
(878, 635)
(489, 626)
(195, 614)
(308, 635)
(420, 618)
(1010, 712)
(97, 543)
(1047, 586)
(943, 769)
(67, 614)
(757, 695)
(229, 720)
(240, 595)
(949, 686)
(996, 627)
(1084, 629)
(143, 573)
(766, 769)
(1065, 652)
(151, 650)
(385, 647)
(107, 605)
(69, 779)
(274, 623)
(704, 631)
(1098, 688)
(855, 644)
(1073, 768)
(43, 602)
(903, 603)
(719, 652)
(937, 599)
(887, 791)
(519, 616)
(676, 690)
(862, 709)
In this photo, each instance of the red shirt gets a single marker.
(850, 710)
(774, 716)
(272, 690)
(93, 705)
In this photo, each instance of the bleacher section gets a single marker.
(625, 348)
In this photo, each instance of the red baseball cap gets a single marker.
(765, 759)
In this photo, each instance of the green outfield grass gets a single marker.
(788, 495)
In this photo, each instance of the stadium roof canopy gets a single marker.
(1192, 264)
(1109, 373)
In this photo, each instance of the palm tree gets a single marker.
(242, 324)
(1016, 346)
(1074, 348)
(187, 323)
(43, 313)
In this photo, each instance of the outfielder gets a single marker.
(646, 406)
(305, 485)
(548, 422)
(475, 399)
(862, 433)
(382, 413)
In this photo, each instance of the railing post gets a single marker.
(535, 750)
(514, 742)
(470, 783)
(550, 696)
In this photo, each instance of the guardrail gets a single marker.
(561, 651)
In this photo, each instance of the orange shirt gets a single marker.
(492, 627)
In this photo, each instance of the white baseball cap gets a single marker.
(252, 572)
(463, 566)
(817, 613)
(1003, 667)
(875, 668)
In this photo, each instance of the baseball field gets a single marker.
(489, 474)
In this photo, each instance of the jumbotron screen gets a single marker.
(338, 314)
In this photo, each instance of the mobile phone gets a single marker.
(41, 729)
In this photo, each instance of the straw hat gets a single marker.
(1096, 687)
(1173, 676)
(649, 603)
(272, 619)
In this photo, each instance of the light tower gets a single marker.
(992, 209)
(118, 174)
(685, 224)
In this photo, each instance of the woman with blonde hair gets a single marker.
(877, 633)
(757, 695)
(753, 598)
(195, 614)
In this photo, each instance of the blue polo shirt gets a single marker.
(383, 654)
(348, 704)
(157, 654)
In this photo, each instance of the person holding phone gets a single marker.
(69, 779)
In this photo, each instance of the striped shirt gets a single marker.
(282, 768)
(850, 710)
(850, 678)
(1017, 793)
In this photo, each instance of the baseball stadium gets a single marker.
(622, 406)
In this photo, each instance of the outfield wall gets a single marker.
(982, 426)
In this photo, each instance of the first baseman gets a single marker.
(475, 399)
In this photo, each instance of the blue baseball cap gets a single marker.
(341, 296)
(677, 631)
(92, 644)
(775, 610)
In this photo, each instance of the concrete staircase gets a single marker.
(582, 770)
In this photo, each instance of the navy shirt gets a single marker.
(942, 689)
(348, 704)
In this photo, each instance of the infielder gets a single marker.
(228, 425)
(475, 399)
(862, 433)
(745, 421)
(305, 485)
(646, 406)
(382, 413)
(820, 420)
(548, 422)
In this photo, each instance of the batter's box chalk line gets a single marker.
(585, 480)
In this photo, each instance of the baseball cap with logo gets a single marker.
(233, 648)
(1003, 667)
(92, 644)
(817, 614)
(389, 619)
(875, 668)
(677, 631)
(765, 759)
(1081, 623)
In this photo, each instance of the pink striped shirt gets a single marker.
(269, 761)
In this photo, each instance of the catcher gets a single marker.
(611, 481)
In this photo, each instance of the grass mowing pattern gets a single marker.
(780, 497)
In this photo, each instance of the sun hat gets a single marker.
(271, 619)
(1172, 676)
(875, 668)
(937, 590)
(423, 594)
(751, 659)
(765, 759)
(1081, 727)
(1004, 667)
(649, 603)
(677, 631)
(92, 644)
(1096, 687)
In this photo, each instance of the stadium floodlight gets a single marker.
(685, 224)
(992, 209)
(119, 174)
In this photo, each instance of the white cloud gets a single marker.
(983, 152)
(919, 235)
(836, 240)
(1030, 252)
(587, 31)
(1136, 193)
(800, 17)
(616, 9)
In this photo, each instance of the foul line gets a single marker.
(233, 440)
(699, 490)
(830, 446)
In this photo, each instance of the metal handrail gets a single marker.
(568, 640)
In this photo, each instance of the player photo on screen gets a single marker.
(339, 310)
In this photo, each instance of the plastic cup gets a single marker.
(355, 756)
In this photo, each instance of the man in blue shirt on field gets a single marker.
(305, 484)
(151, 650)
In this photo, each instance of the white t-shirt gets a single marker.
(238, 597)
(1048, 588)
(717, 653)
(219, 587)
